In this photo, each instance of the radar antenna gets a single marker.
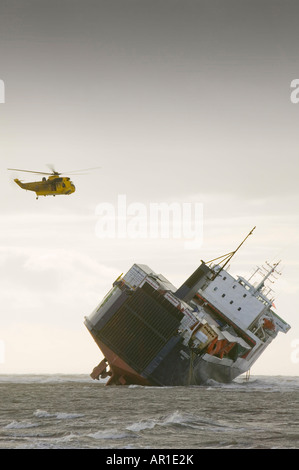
(272, 271)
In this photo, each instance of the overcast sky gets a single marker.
(177, 101)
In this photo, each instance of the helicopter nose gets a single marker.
(73, 188)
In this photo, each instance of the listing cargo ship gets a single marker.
(213, 327)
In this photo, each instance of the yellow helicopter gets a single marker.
(54, 185)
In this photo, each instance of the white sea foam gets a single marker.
(141, 425)
(109, 434)
(187, 420)
(174, 418)
(58, 415)
(43, 414)
(20, 425)
(67, 438)
(68, 415)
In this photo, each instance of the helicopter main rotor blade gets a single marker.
(29, 171)
(54, 172)
(83, 169)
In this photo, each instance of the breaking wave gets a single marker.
(176, 419)
(59, 415)
(109, 434)
(20, 425)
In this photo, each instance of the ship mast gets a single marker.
(262, 283)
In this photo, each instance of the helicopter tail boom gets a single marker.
(22, 185)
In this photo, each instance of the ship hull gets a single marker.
(174, 370)
(152, 334)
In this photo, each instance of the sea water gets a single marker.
(75, 412)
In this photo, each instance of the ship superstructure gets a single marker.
(215, 326)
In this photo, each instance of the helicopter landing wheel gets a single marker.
(36, 197)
